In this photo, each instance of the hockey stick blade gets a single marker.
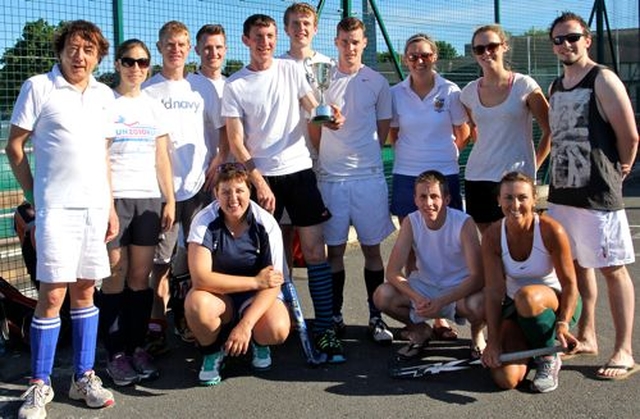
(421, 370)
(291, 297)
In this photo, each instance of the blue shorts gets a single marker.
(403, 187)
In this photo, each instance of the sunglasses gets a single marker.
(130, 62)
(571, 37)
(490, 48)
(232, 166)
(424, 56)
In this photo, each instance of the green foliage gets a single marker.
(446, 51)
(32, 54)
(385, 57)
(533, 31)
(231, 66)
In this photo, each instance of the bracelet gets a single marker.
(559, 323)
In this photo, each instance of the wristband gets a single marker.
(562, 323)
(28, 196)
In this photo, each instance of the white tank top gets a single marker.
(536, 269)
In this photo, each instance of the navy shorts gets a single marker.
(481, 199)
(403, 187)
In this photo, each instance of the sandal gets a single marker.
(476, 353)
(412, 350)
(445, 333)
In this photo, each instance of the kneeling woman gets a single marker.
(236, 261)
(531, 295)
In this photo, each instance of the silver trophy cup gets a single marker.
(319, 76)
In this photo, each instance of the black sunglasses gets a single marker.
(571, 37)
(425, 56)
(490, 47)
(130, 62)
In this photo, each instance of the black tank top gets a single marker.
(585, 165)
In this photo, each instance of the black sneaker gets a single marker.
(327, 342)
(338, 326)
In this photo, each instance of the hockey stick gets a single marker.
(291, 297)
(421, 370)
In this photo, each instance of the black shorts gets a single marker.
(298, 193)
(481, 199)
(139, 222)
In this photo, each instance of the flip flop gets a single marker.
(412, 350)
(444, 333)
(628, 371)
(476, 352)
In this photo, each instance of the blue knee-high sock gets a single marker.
(84, 328)
(372, 280)
(321, 290)
(338, 279)
(44, 338)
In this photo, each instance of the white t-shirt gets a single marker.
(425, 137)
(212, 134)
(69, 131)
(439, 255)
(505, 132)
(192, 106)
(268, 103)
(316, 58)
(139, 122)
(353, 151)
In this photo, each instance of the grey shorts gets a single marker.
(139, 222)
(185, 211)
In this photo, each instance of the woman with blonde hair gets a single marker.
(501, 105)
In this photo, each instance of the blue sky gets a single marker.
(447, 20)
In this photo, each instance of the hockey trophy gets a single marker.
(319, 76)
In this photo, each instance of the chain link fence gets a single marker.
(26, 28)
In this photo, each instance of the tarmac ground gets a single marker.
(361, 387)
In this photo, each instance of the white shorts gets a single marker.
(363, 203)
(598, 238)
(432, 291)
(70, 244)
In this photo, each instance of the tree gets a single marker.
(32, 54)
(446, 51)
(232, 66)
(386, 57)
(533, 31)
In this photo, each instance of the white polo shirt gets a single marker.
(69, 129)
(425, 136)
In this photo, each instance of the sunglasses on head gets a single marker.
(130, 62)
(424, 56)
(490, 47)
(571, 37)
(227, 167)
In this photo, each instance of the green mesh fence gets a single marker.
(26, 27)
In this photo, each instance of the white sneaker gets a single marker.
(37, 396)
(547, 369)
(379, 331)
(261, 357)
(89, 388)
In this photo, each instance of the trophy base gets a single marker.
(322, 114)
(321, 119)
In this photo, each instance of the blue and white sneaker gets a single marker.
(210, 370)
(261, 360)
